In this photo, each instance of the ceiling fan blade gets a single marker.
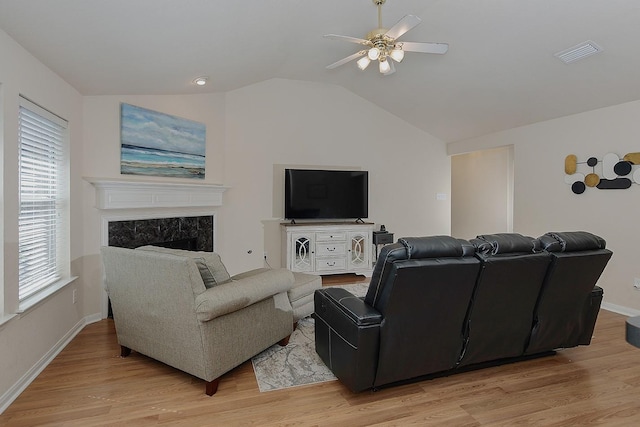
(345, 60)
(347, 39)
(440, 48)
(402, 26)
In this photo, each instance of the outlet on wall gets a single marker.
(264, 255)
(75, 296)
(636, 283)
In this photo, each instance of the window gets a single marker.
(43, 248)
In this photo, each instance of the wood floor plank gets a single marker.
(88, 384)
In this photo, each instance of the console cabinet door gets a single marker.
(302, 252)
(359, 250)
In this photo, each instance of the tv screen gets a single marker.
(326, 194)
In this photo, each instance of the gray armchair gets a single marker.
(183, 309)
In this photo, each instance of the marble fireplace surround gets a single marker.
(194, 232)
(134, 213)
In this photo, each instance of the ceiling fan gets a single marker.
(382, 44)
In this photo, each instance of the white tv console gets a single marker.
(328, 247)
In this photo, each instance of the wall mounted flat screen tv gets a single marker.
(326, 194)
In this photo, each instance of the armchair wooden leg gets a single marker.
(284, 341)
(124, 351)
(212, 386)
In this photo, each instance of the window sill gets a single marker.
(34, 300)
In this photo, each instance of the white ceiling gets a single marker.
(500, 71)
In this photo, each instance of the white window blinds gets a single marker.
(42, 234)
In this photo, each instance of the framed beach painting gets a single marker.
(159, 144)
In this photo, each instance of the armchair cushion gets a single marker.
(237, 294)
(209, 264)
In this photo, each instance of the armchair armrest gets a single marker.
(240, 293)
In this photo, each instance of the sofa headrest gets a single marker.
(392, 253)
(571, 241)
(505, 243)
(436, 247)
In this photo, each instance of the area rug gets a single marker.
(297, 363)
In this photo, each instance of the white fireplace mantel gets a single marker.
(123, 194)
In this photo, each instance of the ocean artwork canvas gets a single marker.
(159, 144)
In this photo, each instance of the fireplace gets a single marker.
(194, 233)
(186, 232)
(136, 213)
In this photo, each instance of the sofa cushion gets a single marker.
(209, 264)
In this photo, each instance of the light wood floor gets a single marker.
(89, 385)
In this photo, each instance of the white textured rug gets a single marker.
(297, 363)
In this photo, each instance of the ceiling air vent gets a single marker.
(577, 52)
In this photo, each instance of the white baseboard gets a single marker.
(14, 391)
(92, 318)
(620, 309)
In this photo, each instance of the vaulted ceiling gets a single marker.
(500, 71)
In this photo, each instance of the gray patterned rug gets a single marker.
(297, 363)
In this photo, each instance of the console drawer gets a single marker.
(330, 237)
(329, 249)
(329, 264)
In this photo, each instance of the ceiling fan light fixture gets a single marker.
(374, 53)
(363, 62)
(397, 54)
(382, 44)
(384, 66)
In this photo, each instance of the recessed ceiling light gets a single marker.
(201, 81)
(577, 52)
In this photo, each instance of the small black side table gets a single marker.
(381, 238)
(633, 331)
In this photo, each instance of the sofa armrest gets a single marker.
(590, 315)
(240, 293)
(353, 307)
(347, 336)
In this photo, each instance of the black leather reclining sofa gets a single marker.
(440, 305)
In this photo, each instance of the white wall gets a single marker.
(543, 202)
(251, 133)
(28, 338)
(282, 122)
(482, 192)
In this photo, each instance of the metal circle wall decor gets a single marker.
(615, 173)
(578, 187)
